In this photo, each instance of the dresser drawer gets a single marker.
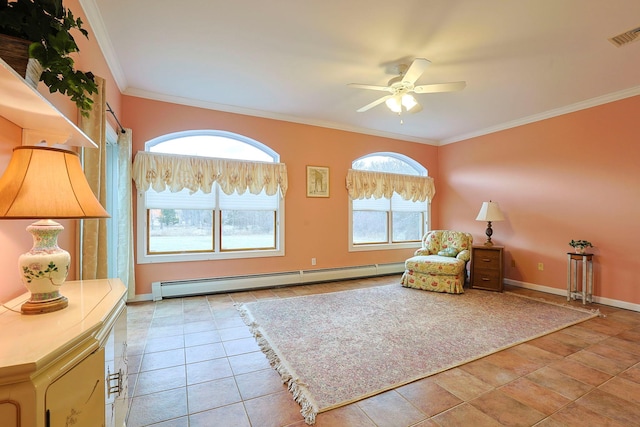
(486, 259)
(486, 279)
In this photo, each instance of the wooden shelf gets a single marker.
(34, 114)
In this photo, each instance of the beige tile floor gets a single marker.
(193, 362)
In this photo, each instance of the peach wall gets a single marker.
(575, 176)
(315, 227)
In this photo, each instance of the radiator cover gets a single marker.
(181, 288)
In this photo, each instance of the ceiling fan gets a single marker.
(400, 88)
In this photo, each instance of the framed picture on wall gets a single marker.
(317, 181)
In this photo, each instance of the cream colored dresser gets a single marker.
(69, 367)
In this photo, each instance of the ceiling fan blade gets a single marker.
(372, 87)
(415, 70)
(440, 87)
(374, 103)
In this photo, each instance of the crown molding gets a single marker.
(94, 17)
(138, 93)
(583, 105)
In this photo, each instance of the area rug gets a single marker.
(337, 348)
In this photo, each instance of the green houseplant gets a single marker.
(47, 25)
(580, 245)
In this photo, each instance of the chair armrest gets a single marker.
(464, 255)
(421, 252)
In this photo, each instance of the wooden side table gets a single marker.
(486, 268)
(576, 290)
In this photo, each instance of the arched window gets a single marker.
(389, 202)
(204, 198)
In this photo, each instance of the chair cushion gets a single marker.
(435, 264)
(450, 252)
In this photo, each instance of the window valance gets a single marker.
(365, 184)
(175, 172)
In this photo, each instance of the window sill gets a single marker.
(186, 257)
(384, 247)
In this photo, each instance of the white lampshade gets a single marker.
(43, 183)
(397, 102)
(408, 101)
(490, 211)
(394, 104)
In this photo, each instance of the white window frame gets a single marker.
(112, 173)
(360, 247)
(143, 257)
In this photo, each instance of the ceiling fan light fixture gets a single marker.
(398, 103)
(395, 104)
(408, 101)
(401, 88)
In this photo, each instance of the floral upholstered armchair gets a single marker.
(441, 264)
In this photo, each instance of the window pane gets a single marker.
(212, 146)
(248, 230)
(384, 164)
(183, 226)
(370, 227)
(407, 226)
(180, 230)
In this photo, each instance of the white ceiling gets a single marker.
(523, 60)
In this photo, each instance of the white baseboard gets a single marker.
(140, 298)
(547, 289)
(392, 269)
(213, 285)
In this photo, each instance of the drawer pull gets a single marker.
(486, 279)
(114, 382)
(486, 259)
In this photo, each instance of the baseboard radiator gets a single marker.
(181, 288)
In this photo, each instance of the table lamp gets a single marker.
(490, 212)
(46, 183)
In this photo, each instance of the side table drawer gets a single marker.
(486, 259)
(486, 279)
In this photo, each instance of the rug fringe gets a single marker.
(595, 311)
(297, 388)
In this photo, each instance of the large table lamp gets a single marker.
(490, 212)
(46, 183)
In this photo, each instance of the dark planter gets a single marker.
(15, 52)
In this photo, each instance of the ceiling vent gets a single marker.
(626, 37)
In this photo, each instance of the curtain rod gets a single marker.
(110, 110)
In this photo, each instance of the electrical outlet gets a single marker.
(540, 266)
(313, 261)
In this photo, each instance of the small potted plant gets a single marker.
(47, 25)
(580, 245)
